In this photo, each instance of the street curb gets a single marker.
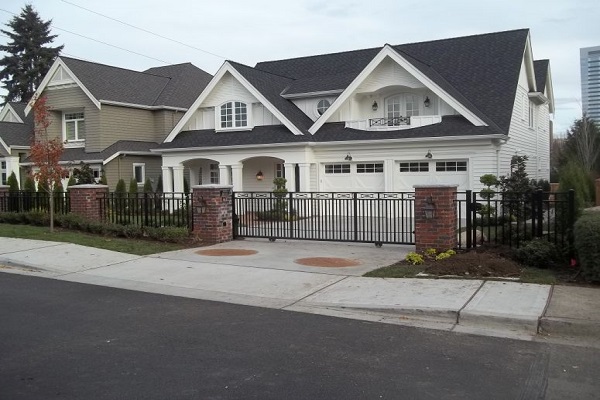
(555, 326)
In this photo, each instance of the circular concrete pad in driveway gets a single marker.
(226, 252)
(331, 262)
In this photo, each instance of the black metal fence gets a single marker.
(24, 201)
(510, 218)
(346, 216)
(147, 209)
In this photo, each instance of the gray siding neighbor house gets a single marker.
(110, 117)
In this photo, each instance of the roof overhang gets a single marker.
(128, 153)
(311, 94)
(388, 51)
(141, 106)
(3, 143)
(239, 146)
(537, 98)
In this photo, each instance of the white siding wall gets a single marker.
(262, 116)
(309, 106)
(386, 74)
(524, 140)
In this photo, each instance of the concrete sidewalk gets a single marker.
(269, 276)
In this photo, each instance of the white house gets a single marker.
(373, 120)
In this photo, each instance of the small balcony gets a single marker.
(392, 124)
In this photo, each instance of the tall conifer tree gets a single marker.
(28, 56)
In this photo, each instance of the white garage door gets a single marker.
(352, 177)
(452, 172)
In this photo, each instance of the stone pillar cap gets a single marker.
(434, 186)
(88, 186)
(212, 186)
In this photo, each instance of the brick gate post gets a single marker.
(212, 213)
(438, 229)
(85, 200)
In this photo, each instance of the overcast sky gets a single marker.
(260, 30)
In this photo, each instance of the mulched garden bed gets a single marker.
(483, 262)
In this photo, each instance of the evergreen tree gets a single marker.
(148, 186)
(29, 185)
(133, 186)
(13, 183)
(29, 57)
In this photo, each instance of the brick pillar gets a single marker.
(85, 200)
(4, 198)
(598, 192)
(438, 232)
(212, 213)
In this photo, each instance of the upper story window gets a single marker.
(322, 106)
(139, 173)
(234, 114)
(402, 105)
(73, 126)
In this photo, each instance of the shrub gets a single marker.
(587, 244)
(121, 189)
(538, 253)
(133, 186)
(72, 181)
(573, 176)
(84, 175)
(148, 186)
(29, 185)
(414, 258)
(13, 183)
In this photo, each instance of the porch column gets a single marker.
(290, 176)
(237, 177)
(167, 177)
(193, 176)
(224, 175)
(178, 178)
(304, 177)
(388, 174)
(12, 165)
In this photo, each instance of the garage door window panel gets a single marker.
(370, 168)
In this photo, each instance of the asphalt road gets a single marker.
(61, 340)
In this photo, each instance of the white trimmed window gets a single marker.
(414, 167)
(214, 174)
(73, 126)
(337, 168)
(402, 105)
(3, 173)
(233, 114)
(97, 173)
(531, 111)
(370, 168)
(450, 166)
(139, 173)
(279, 171)
(322, 106)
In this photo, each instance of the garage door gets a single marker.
(352, 177)
(451, 172)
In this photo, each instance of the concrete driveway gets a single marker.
(289, 254)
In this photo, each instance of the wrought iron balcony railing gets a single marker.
(396, 121)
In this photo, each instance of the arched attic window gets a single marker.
(233, 114)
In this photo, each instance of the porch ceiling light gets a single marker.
(427, 102)
(348, 157)
(375, 106)
(429, 208)
(259, 176)
(429, 155)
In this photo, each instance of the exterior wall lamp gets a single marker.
(201, 207)
(259, 176)
(348, 157)
(429, 208)
(427, 102)
(429, 155)
(375, 106)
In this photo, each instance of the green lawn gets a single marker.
(130, 246)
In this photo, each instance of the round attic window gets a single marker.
(322, 106)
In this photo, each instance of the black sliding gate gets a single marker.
(372, 217)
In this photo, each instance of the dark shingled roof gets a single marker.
(331, 132)
(173, 85)
(16, 133)
(480, 71)
(271, 86)
(125, 146)
(541, 74)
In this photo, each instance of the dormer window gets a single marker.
(73, 126)
(234, 114)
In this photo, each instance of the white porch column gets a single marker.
(178, 178)
(224, 175)
(304, 177)
(237, 177)
(167, 177)
(193, 176)
(388, 175)
(290, 176)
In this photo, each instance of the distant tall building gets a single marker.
(590, 82)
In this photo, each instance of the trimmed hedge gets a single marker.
(587, 244)
(75, 222)
(538, 253)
